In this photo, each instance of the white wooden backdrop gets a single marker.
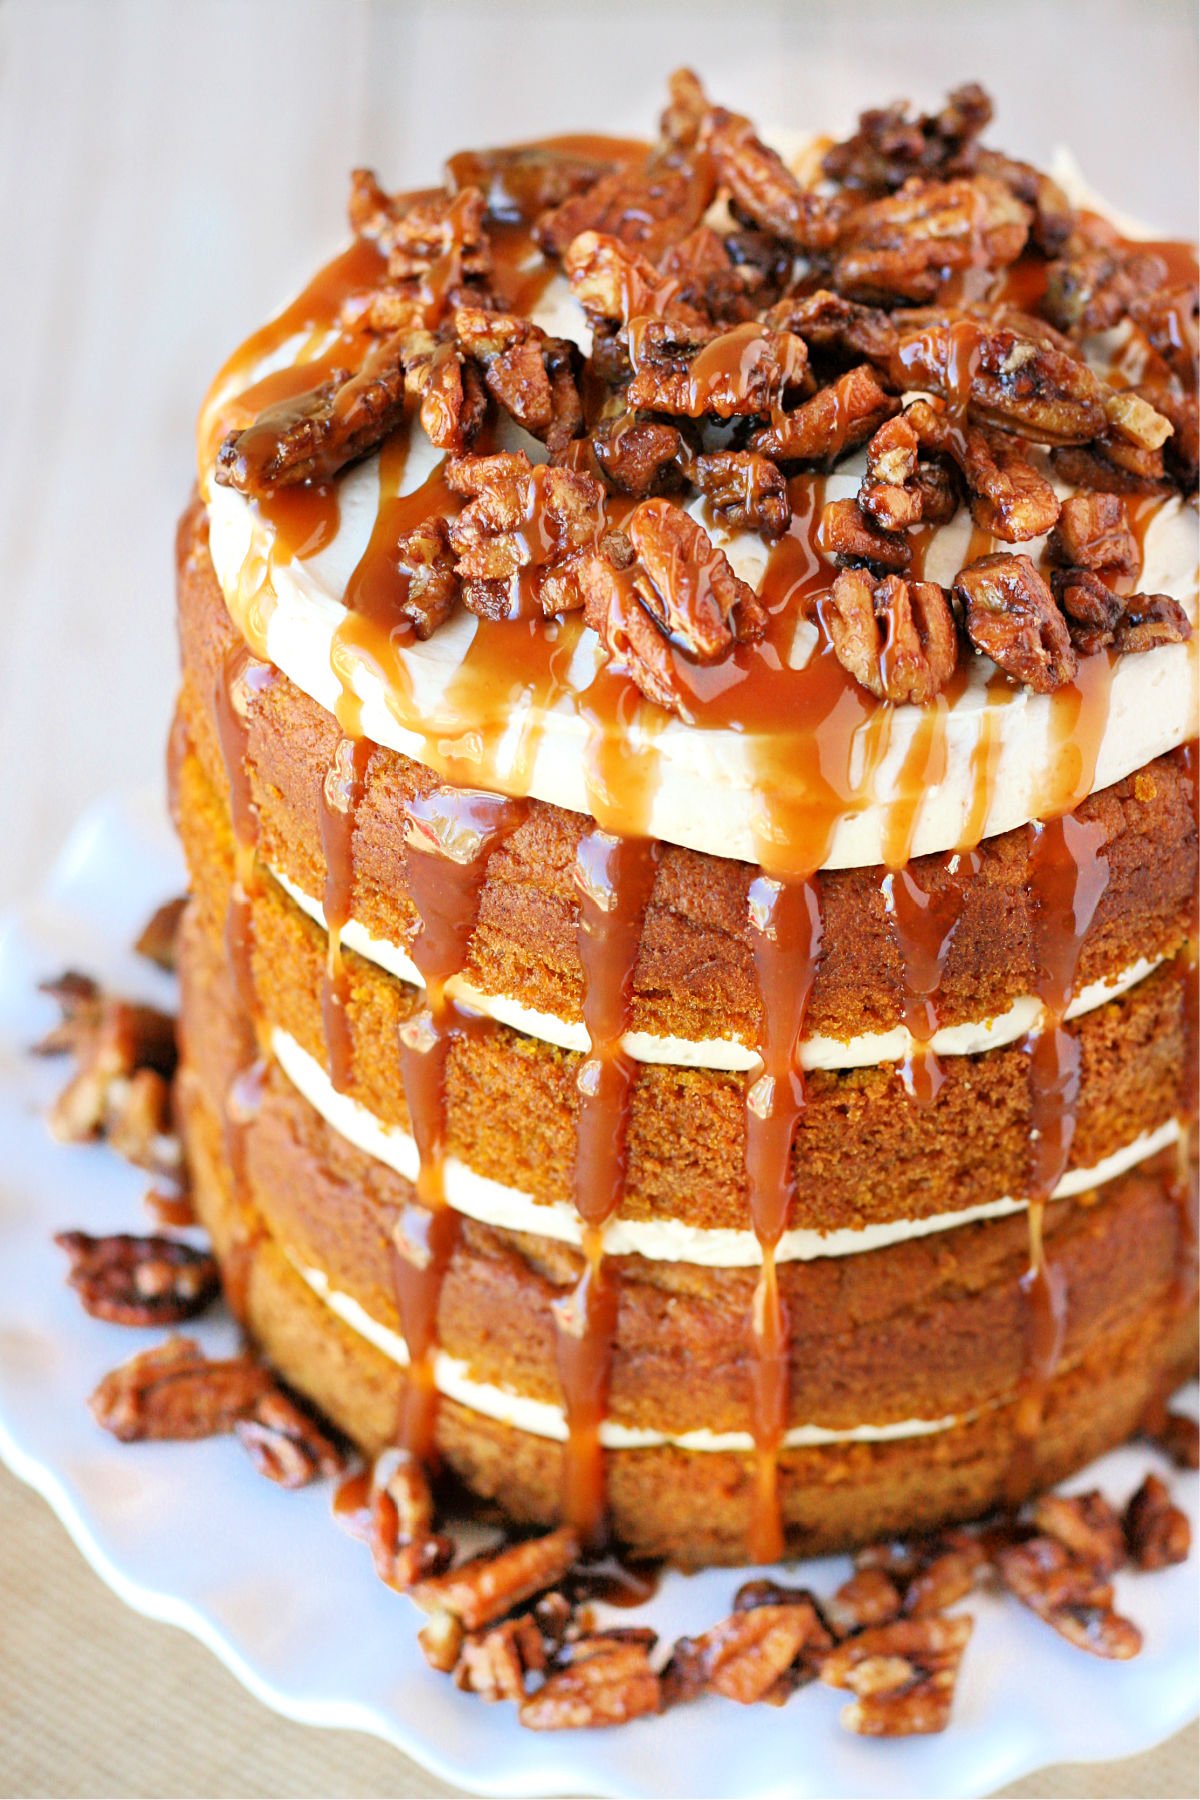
(171, 170)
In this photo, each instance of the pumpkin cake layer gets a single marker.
(694, 975)
(864, 1154)
(924, 1330)
(693, 1506)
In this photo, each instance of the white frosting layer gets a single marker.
(542, 1419)
(660, 1240)
(865, 1051)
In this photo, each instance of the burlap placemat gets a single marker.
(97, 1701)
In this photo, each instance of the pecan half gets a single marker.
(849, 537)
(615, 282)
(522, 180)
(1157, 1532)
(121, 1089)
(1069, 1595)
(1092, 286)
(903, 1674)
(1093, 533)
(1086, 1524)
(748, 1656)
(447, 385)
(836, 327)
(1054, 217)
(1010, 615)
(931, 1573)
(80, 1005)
(763, 189)
(1007, 379)
(638, 456)
(1102, 620)
(415, 231)
(747, 492)
(405, 1547)
(869, 1597)
(607, 1680)
(158, 939)
(898, 489)
(285, 1442)
(1170, 319)
(132, 1280)
(613, 610)
(907, 245)
(686, 584)
(1008, 497)
(1094, 466)
(496, 1663)
(693, 370)
(837, 419)
(687, 107)
(896, 638)
(889, 146)
(427, 588)
(520, 522)
(482, 1591)
(648, 206)
(174, 1391)
(1178, 1437)
(531, 375)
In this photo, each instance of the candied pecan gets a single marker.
(496, 1662)
(850, 538)
(1157, 1532)
(1181, 452)
(285, 1443)
(1086, 1524)
(904, 247)
(121, 1088)
(726, 278)
(138, 1123)
(173, 1391)
(520, 181)
(763, 1592)
(745, 491)
(1008, 497)
(80, 1005)
(837, 419)
(1170, 319)
(686, 109)
(1178, 1437)
(896, 638)
(1010, 380)
(636, 455)
(1092, 286)
(1068, 1594)
(831, 324)
(684, 581)
(647, 205)
(482, 1591)
(1093, 533)
(449, 388)
(606, 1680)
(158, 937)
(748, 1656)
(763, 190)
(1053, 215)
(415, 231)
(613, 281)
(1149, 620)
(312, 437)
(428, 585)
(692, 370)
(869, 1597)
(897, 488)
(1090, 466)
(1010, 615)
(405, 1547)
(1132, 420)
(530, 374)
(889, 146)
(520, 518)
(441, 1639)
(903, 1675)
(1090, 606)
(613, 610)
(132, 1280)
(946, 1573)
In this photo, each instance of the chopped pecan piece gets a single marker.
(1086, 1524)
(1010, 615)
(1093, 285)
(520, 522)
(139, 1280)
(1093, 533)
(607, 1680)
(313, 436)
(684, 581)
(748, 1656)
(520, 181)
(1007, 379)
(1133, 421)
(907, 245)
(896, 638)
(285, 1443)
(903, 1674)
(428, 585)
(687, 107)
(832, 325)
(159, 936)
(1008, 496)
(638, 456)
(1093, 466)
(173, 1391)
(693, 370)
(869, 1597)
(415, 231)
(441, 1639)
(889, 146)
(448, 386)
(121, 1089)
(495, 1663)
(746, 491)
(1069, 1595)
(80, 1005)
(837, 419)
(850, 538)
(1129, 624)
(482, 1591)
(405, 1547)
(1170, 319)
(530, 374)
(898, 488)
(648, 206)
(611, 280)
(1157, 1532)
(763, 189)
(1053, 215)
(1178, 1437)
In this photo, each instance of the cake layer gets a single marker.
(922, 1331)
(694, 979)
(864, 1153)
(694, 1508)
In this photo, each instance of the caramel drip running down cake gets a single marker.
(686, 763)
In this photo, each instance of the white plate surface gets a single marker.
(189, 1533)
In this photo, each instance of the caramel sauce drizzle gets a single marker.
(338, 804)
(451, 836)
(614, 877)
(924, 921)
(785, 918)
(1068, 877)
